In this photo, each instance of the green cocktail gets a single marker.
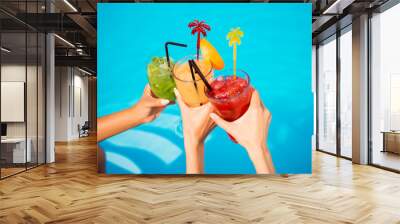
(160, 78)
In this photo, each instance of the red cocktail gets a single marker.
(231, 96)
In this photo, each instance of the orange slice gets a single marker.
(210, 53)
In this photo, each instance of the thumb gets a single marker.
(156, 102)
(220, 122)
(150, 101)
(255, 98)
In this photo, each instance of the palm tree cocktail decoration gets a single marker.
(201, 28)
(234, 39)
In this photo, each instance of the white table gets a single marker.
(18, 144)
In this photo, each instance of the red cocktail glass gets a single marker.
(231, 96)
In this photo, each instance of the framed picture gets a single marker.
(245, 63)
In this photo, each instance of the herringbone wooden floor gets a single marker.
(70, 191)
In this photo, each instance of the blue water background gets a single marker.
(275, 52)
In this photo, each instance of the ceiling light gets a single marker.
(84, 71)
(329, 9)
(70, 5)
(79, 51)
(65, 41)
(337, 7)
(5, 50)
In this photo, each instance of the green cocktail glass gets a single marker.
(160, 78)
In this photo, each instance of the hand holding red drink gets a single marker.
(231, 93)
(243, 114)
(251, 131)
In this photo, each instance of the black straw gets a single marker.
(166, 49)
(198, 71)
(192, 72)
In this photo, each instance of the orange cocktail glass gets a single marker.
(191, 87)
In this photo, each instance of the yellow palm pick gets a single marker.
(234, 37)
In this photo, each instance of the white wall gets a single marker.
(61, 103)
(80, 110)
(71, 102)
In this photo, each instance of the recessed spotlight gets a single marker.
(64, 40)
(84, 71)
(70, 5)
(5, 50)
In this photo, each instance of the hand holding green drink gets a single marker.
(159, 74)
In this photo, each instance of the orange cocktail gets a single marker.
(189, 84)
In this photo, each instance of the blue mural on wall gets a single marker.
(275, 52)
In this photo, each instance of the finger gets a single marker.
(162, 102)
(157, 102)
(157, 115)
(211, 124)
(208, 108)
(147, 90)
(150, 100)
(263, 106)
(220, 122)
(255, 98)
(158, 110)
(267, 110)
(179, 100)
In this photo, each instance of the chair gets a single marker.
(84, 130)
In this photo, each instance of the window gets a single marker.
(385, 89)
(394, 102)
(22, 77)
(346, 92)
(327, 95)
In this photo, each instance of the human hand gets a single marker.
(197, 123)
(149, 107)
(251, 131)
(196, 126)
